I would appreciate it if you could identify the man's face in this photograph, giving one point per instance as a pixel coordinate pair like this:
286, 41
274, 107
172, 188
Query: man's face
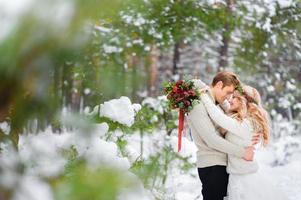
223, 93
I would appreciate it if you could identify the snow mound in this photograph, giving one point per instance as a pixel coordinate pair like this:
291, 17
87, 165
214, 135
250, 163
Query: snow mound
120, 110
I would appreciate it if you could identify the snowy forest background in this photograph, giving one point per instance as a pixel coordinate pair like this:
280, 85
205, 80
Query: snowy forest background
82, 112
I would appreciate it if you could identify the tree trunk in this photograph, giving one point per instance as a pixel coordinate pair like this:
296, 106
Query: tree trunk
66, 85
223, 61
154, 57
176, 58
133, 62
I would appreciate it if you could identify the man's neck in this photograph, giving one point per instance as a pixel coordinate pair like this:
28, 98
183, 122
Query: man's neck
212, 94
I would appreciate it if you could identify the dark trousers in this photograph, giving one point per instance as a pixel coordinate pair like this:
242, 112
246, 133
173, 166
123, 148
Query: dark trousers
215, 182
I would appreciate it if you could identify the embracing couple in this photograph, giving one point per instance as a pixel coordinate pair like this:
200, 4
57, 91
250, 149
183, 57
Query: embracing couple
227, 126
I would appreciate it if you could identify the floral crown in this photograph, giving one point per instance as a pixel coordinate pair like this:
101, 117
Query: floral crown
250, 99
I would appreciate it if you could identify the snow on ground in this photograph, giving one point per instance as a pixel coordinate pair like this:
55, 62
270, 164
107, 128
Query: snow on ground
286, 178
43, 158
188, 186
185, 185
179, 185
42, 155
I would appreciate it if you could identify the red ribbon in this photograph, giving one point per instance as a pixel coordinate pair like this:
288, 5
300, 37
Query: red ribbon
180, 129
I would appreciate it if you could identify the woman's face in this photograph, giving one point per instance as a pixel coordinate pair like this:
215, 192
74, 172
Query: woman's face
234, 103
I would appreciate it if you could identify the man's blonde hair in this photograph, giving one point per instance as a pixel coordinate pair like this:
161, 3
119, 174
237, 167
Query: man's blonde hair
228, 78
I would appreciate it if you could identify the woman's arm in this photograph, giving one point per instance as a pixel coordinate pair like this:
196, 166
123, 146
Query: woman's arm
220, 118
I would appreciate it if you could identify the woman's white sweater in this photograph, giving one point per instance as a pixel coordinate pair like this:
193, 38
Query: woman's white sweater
239, 133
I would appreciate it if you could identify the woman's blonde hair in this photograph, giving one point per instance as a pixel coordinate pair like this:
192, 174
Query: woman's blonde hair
241, 113
257, 112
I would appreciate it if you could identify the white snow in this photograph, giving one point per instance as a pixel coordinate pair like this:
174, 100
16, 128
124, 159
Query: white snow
102, 29
136, 107
267, 25
33, 188
9, 163
285, 3
41, 152
284, 102
111, 49
155, 103
297, 106
291, 86
120, 110
42, 155
100, 152
5, 127
87, 91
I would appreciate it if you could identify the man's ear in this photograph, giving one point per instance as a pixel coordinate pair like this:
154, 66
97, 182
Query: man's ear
220, 84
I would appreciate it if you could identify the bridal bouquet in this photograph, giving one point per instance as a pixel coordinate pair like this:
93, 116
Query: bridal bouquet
181, 95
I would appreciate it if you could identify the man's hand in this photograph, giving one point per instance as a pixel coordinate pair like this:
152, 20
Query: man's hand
256, 138
249, 153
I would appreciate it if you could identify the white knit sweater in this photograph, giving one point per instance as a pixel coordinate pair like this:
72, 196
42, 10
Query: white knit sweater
212, 147
239, 133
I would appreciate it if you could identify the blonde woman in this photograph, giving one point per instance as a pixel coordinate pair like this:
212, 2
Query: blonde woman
245, 117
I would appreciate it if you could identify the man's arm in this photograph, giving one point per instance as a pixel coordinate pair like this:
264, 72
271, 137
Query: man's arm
203, 125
